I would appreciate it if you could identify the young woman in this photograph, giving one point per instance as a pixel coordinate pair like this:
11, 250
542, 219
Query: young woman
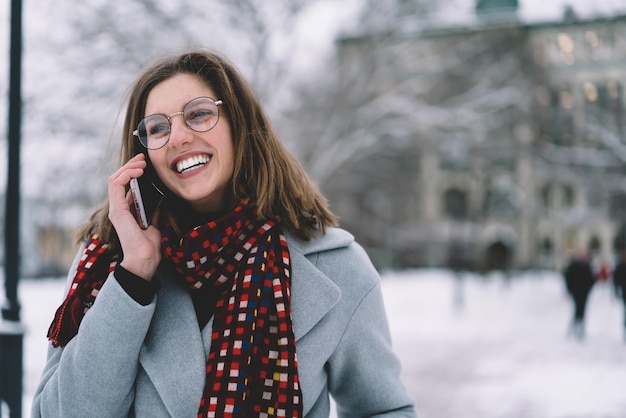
241, 298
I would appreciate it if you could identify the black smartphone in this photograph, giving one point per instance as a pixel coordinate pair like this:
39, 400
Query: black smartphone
147, 195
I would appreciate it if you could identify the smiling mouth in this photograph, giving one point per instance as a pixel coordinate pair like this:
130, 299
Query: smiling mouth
192, 163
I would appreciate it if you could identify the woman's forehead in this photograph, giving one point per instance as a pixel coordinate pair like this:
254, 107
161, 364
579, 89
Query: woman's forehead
171, 95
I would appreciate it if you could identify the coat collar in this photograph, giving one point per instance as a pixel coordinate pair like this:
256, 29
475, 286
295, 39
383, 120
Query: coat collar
333, 238
173, 354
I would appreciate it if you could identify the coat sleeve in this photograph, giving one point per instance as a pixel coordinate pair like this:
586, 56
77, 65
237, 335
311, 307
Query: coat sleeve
364, 372
94, 374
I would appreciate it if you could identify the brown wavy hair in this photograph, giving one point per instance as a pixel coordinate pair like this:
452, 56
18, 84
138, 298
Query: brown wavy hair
264, 171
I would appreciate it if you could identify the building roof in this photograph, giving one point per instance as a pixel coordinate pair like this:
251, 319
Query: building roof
498, 17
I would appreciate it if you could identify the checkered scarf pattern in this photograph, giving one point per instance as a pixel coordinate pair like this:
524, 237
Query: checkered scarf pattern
93, 268
251, 369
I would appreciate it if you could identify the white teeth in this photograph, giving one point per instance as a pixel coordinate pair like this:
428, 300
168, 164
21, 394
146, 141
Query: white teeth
191, 163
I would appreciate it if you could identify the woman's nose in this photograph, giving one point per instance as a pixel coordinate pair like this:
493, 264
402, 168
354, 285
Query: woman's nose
180, 133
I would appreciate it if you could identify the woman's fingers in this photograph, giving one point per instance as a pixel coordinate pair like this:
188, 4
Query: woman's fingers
145, 254
133, 168
119, 180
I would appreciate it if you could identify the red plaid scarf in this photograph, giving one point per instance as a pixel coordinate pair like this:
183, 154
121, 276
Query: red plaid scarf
251, 368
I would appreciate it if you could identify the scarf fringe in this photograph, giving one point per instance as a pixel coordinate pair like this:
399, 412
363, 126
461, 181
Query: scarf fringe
65, 321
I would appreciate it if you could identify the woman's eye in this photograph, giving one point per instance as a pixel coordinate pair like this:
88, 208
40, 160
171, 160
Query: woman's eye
159, 129
200, 115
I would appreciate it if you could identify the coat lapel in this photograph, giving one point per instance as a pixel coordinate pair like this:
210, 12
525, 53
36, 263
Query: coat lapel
173, 354
313, 294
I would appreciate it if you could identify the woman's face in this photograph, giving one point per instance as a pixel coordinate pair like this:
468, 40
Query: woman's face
196, 166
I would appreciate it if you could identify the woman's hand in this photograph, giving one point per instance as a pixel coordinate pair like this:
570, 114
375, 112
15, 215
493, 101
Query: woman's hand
141, 248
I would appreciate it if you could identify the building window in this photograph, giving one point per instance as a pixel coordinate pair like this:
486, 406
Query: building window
546, 197
594, 244
591, 92
566, 46
568, 197
455, 204
592, 39
562, 121
604, 106
592, 44
555, 115
546, 246
566, 100
454, 153
502, 200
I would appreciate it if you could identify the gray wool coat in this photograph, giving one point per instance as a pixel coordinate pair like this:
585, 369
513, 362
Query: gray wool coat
129, 360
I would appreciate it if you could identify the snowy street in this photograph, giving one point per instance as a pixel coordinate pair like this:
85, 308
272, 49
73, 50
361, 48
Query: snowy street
502, 351
484, 349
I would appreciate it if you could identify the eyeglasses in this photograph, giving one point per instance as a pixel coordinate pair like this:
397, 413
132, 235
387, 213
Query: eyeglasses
200, 114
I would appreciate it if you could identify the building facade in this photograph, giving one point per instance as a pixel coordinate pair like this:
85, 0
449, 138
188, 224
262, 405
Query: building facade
530, 165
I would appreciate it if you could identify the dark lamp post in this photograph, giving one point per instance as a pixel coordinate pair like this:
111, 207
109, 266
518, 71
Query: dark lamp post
11, 330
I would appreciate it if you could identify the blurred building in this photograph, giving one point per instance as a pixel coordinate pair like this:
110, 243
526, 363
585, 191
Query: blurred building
529, 164
48, 246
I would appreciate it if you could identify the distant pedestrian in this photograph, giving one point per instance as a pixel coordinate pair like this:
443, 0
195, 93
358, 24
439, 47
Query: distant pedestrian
579, 279
619, 281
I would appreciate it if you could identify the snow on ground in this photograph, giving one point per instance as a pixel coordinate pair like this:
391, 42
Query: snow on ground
482, 348
473, 348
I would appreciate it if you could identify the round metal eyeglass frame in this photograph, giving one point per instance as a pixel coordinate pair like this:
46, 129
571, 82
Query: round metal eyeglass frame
200, 115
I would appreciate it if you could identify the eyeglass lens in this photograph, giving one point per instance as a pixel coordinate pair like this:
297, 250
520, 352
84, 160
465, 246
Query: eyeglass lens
200, 115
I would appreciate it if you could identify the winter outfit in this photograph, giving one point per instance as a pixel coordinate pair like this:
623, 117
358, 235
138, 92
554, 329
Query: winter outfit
231, 305
579, 279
